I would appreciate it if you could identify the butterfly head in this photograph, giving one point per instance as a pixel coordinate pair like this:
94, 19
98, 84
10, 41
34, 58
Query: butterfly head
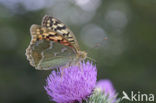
82, 54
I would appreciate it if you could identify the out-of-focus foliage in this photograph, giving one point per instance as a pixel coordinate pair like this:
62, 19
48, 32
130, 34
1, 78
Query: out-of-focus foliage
127, 57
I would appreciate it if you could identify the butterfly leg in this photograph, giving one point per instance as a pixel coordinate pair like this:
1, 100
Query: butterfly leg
78, 63
62, 69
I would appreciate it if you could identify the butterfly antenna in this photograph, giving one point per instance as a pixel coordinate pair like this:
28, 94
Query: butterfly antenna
98, 44
91, 59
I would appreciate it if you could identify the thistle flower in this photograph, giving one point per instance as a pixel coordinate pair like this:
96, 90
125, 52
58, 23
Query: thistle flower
106, 86
76, 83
103, 93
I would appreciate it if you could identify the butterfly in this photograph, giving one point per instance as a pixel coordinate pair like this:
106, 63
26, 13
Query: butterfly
53, 45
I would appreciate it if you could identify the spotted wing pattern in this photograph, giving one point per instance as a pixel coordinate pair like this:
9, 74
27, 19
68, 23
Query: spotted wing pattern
40, 33
57, 26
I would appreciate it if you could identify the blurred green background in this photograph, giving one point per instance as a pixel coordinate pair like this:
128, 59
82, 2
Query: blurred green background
127, 58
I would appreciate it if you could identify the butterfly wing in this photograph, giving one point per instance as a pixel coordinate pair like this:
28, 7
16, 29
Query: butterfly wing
45, 52
57, 26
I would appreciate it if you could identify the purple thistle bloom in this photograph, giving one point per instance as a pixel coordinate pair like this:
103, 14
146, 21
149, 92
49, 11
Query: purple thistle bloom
107, 87
76, 83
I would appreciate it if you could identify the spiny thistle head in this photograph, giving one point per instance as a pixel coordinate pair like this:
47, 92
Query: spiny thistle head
75, 85
103, 93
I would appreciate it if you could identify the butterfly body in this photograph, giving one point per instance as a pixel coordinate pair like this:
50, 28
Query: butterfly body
51, 48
